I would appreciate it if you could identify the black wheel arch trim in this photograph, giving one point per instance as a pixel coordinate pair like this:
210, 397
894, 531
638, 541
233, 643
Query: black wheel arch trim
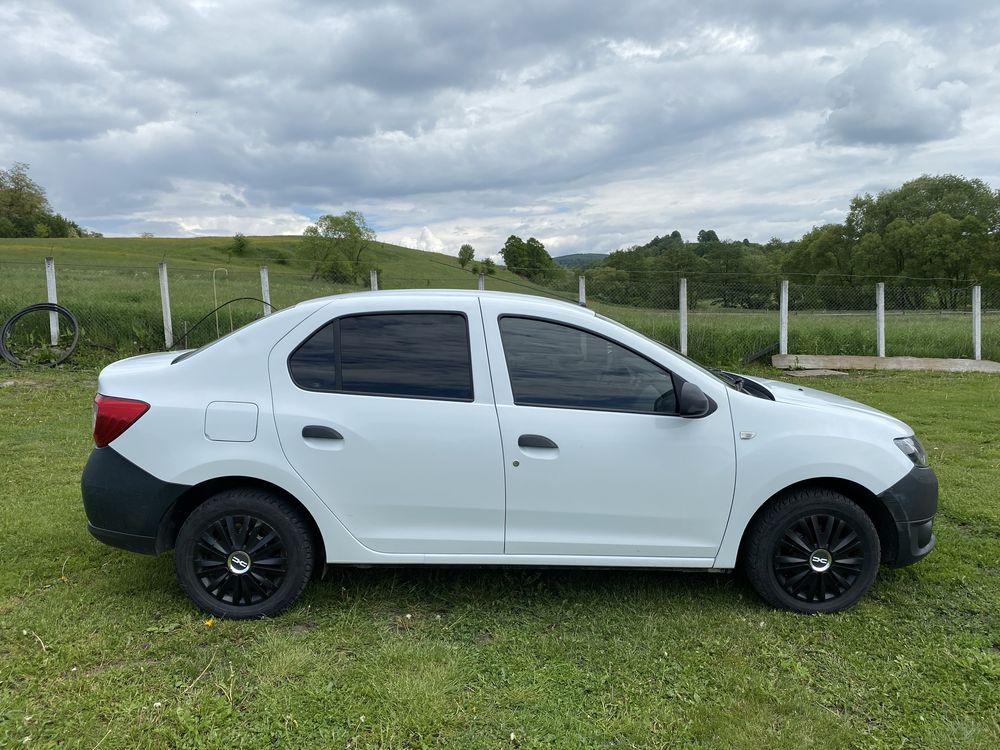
902, 514
129, 508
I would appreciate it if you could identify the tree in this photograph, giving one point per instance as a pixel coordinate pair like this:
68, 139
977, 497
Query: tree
23, 205
528, 259
465, 255
336, 244
706, 236
240, 244
489, 267
919, 199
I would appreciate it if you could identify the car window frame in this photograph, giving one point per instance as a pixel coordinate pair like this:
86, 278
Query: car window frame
675, 379
337, 353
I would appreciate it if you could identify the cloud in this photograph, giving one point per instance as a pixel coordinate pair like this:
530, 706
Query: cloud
590, 126
893, 97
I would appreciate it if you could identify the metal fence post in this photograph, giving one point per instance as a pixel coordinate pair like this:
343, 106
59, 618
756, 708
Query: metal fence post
582, 287
482, 282
682, 310
168, 326
783, 318
977, 322
50, 289
880, 318
374, 280
265, 290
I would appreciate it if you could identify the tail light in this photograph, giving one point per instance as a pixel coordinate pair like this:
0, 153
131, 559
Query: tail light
112, 416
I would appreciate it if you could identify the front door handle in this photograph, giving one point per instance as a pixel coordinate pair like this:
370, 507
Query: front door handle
535, 441
321, 433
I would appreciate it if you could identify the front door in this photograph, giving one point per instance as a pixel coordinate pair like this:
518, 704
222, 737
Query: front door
597, 463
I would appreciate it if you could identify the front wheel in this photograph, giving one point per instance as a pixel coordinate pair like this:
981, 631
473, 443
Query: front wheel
814, 550
243, 554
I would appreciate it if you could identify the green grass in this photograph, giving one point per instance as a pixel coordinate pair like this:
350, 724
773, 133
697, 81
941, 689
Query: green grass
99, 647
112, 287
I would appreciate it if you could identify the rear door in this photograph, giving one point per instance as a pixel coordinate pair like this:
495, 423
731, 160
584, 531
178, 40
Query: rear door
389, 416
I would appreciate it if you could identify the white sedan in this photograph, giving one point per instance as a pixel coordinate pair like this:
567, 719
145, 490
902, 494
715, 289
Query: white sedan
476, 428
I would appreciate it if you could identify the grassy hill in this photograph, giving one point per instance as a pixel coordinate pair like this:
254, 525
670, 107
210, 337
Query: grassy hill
112, 285
399, 266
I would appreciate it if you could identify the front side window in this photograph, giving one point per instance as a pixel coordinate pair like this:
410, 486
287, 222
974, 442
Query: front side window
551, 364
414, 355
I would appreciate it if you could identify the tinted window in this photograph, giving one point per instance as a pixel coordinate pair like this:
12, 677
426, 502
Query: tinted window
557, 365
312, 365
419, 355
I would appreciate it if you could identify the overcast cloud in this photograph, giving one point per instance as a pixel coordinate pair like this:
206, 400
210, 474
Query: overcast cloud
588, 125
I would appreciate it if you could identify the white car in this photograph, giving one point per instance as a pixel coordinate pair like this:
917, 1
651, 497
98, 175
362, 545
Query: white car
476, 428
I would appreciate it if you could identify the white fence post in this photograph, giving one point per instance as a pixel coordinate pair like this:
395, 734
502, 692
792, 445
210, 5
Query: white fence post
682, 310
582, 287
482, 282
374, 280
783, 318
977, 322
880, 318
168, 326
265, 290
50, 289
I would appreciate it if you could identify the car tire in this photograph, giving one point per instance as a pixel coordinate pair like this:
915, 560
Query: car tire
244, 553
813, 550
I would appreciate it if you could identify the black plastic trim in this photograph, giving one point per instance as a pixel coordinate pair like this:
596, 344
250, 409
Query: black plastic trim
912, 503
319, 432
125, 505
535, 441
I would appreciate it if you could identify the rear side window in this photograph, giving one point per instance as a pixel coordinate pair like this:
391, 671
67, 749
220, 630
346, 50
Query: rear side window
413, 355
551, 364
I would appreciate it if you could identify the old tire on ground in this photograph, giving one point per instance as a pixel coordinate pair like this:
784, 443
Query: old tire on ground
244, 553
813, 550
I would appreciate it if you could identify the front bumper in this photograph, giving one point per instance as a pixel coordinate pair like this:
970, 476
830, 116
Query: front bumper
912, 503
125, 505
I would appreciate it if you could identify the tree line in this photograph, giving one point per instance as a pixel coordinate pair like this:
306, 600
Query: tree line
934, 235
25, 209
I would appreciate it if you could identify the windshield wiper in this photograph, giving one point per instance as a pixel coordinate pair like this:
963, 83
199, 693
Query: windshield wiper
735, 380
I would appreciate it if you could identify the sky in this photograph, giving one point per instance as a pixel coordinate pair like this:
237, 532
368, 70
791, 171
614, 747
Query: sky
589, 125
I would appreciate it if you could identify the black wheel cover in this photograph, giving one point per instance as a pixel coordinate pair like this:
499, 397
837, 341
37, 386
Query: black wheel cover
240, 560
818, 558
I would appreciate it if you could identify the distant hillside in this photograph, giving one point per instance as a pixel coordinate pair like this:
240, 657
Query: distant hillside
579, 260
399, 267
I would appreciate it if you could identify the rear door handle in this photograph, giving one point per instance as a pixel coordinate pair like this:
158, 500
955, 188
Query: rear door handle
535, 441
321, 433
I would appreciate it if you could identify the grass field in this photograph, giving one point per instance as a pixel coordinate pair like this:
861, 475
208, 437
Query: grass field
100, 649
112, 287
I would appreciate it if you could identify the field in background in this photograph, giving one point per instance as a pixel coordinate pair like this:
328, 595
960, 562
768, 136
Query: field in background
112, 287
100, 648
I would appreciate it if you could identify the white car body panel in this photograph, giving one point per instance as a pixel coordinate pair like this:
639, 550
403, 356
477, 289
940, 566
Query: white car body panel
425, 481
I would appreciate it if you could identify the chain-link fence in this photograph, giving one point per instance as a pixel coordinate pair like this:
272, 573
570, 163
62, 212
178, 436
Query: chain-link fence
728, 320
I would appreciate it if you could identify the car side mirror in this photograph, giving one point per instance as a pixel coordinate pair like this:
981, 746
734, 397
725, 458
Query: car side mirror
693, 402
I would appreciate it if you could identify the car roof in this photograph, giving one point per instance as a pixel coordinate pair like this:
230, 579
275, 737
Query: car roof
438, 293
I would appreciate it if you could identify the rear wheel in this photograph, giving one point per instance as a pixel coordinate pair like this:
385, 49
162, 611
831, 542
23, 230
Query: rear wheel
244, 553
813, 551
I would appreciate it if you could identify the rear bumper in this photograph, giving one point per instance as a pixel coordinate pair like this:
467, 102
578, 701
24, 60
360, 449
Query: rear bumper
125, 505
912, 503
